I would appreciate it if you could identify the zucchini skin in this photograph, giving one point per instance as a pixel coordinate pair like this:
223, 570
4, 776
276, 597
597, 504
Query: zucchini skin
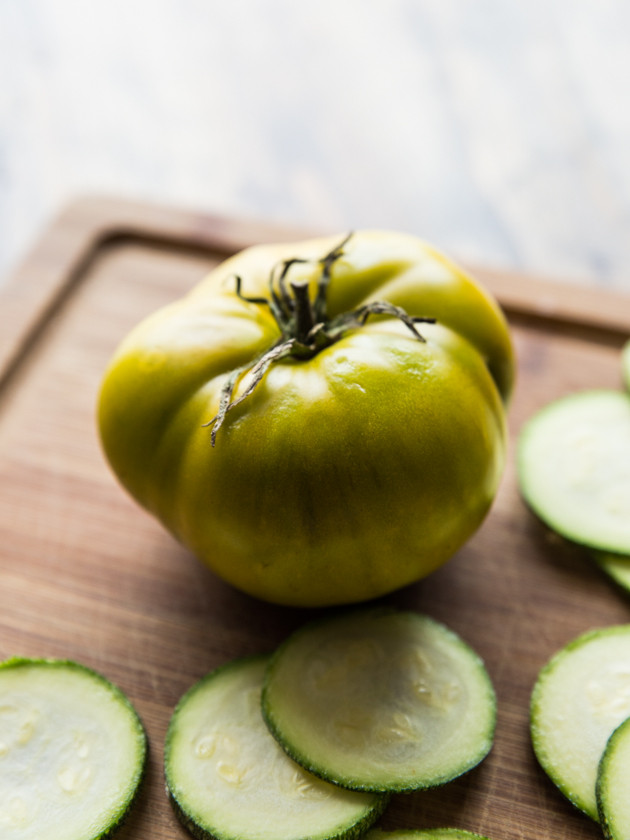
344, 616
357, 830
206, 832
602, 412
544, 758
607, 820
16, 662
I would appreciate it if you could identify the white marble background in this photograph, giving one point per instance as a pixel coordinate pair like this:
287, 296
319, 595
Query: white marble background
499, 129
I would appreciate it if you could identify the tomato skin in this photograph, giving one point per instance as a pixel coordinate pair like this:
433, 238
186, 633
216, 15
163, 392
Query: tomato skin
341, 477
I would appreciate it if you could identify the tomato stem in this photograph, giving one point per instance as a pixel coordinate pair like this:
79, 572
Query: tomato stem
304, 316
303, 324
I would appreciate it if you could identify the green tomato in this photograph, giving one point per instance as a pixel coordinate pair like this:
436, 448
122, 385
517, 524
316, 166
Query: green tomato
291, 424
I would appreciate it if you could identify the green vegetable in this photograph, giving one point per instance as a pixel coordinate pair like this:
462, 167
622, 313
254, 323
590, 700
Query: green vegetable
229, 780
299, 425
580, 697
613, 801
72, 752
380, 700
574, 468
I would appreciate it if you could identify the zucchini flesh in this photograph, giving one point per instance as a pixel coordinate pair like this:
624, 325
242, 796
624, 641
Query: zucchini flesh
380, 700
229, 779
72, 752
613, 801
574, 468
580, 697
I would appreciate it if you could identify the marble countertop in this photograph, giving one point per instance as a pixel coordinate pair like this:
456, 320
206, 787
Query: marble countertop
498, 130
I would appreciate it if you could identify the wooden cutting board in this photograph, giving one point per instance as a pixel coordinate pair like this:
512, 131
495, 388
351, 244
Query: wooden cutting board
86, 574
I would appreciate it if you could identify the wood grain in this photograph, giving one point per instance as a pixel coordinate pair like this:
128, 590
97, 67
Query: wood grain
86, 574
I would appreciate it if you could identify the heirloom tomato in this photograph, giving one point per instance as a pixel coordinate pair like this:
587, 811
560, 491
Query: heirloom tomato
320, 422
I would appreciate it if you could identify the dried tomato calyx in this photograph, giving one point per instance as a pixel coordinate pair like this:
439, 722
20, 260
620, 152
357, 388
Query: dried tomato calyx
305, 328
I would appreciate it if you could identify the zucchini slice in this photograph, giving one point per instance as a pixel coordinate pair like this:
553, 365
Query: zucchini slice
613, 801
72, 752
424, 834
581, 695
228, 779
380, 700
573, 463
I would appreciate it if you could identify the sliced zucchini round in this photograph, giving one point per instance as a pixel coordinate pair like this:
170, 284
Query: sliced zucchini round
424, 834
72, 752
380, 700
613, 801
573, 464
228, 779
580, 697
